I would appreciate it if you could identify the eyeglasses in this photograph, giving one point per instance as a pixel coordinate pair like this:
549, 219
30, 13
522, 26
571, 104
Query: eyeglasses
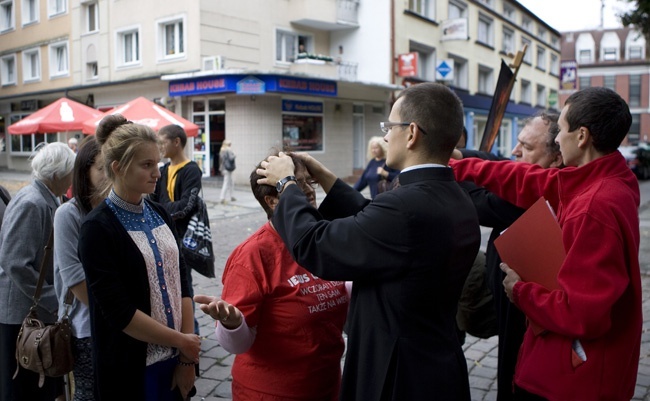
307, 184
387, 125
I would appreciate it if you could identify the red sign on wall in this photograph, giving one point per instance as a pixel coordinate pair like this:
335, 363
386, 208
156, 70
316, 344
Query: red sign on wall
407, 64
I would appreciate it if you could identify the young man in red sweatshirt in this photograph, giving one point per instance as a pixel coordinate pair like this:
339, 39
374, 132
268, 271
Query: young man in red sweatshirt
589, 349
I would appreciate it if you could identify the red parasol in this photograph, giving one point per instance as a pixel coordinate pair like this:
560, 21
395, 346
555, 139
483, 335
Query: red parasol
60, 116
145, 112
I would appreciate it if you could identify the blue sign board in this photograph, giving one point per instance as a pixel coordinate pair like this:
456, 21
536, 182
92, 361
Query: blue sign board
250, 84
302, 106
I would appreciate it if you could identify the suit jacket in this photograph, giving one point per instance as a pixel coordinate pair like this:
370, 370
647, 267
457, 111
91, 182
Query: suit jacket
25, 231
408, 253
118, 359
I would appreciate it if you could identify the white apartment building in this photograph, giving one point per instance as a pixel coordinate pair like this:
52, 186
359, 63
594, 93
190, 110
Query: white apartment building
313, 75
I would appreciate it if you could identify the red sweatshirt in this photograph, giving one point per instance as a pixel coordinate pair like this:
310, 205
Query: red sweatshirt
599, 300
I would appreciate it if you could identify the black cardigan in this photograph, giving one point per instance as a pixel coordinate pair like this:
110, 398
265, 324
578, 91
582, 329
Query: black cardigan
118, 359
186, 189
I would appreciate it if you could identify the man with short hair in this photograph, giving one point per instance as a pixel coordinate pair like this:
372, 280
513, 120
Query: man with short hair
408, 252
536, 145
591, 343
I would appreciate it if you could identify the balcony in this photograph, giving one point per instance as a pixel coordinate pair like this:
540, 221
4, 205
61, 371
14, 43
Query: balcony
325, 67
326, 15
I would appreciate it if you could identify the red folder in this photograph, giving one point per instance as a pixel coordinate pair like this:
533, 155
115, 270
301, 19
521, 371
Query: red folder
532, 246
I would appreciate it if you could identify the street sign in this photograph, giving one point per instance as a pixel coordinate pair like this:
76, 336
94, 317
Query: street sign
445, 70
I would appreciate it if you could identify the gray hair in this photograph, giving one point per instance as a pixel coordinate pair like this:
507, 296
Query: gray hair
52, 159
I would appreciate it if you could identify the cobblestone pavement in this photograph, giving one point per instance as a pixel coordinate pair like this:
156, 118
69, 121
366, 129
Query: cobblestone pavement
232, 222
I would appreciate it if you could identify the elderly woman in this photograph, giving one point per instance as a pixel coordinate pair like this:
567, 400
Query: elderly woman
377, 176
25, 231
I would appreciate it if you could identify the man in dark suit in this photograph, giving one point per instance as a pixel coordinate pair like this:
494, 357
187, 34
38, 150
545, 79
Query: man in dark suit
408, 252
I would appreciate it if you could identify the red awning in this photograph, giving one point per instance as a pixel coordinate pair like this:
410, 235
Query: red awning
60, 116
145, 112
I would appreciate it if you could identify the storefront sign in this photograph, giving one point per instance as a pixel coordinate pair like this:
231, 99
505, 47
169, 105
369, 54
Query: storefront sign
249, 84
407, 65
568, 75
302, 107
454, 29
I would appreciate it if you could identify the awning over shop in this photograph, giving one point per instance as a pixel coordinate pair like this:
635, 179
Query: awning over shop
61, 116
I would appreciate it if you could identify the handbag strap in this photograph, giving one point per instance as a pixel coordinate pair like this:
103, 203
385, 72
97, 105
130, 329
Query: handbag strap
47, 256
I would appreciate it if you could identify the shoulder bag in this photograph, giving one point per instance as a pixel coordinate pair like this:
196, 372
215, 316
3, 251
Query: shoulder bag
45, 349
197, 242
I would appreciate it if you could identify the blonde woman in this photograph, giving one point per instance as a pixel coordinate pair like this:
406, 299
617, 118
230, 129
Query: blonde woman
226, 167
376, 170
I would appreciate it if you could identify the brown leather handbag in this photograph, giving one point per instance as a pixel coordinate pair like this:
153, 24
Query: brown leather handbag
45, 349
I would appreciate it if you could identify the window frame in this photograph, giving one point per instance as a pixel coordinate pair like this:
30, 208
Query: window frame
526, 95
282, 37
52, 10
634, 94
488, 23
24, 5
540, 95
509, 12
425, 8
7, 23
485, 81
53, 52
426, 60
4, 79
634, 49
88, 17
28, 62
584, 80
581, 56
511, 33
610, 54
555, 64
120, 47
541, 58
461, 72
528, 56
458, 5
319, 119
28, 139
179, 22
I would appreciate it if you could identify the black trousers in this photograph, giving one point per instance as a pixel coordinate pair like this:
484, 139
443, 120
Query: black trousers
25, 386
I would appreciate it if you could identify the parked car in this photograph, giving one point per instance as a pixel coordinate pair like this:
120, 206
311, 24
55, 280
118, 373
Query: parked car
638, 159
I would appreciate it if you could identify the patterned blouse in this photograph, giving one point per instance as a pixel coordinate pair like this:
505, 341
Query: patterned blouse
160, 252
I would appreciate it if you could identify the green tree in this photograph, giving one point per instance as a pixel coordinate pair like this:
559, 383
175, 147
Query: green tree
639, 16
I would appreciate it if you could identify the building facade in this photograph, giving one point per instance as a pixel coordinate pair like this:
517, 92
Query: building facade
616, 59
311, 75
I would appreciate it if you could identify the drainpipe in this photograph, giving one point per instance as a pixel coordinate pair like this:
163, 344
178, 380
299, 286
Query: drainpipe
392, 41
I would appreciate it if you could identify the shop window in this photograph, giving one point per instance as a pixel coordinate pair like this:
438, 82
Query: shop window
302, 131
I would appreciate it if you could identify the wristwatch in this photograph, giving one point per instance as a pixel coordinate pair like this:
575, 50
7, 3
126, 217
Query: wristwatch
280, 185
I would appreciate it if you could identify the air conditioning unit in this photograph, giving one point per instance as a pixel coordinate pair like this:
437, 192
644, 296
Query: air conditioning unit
213, 63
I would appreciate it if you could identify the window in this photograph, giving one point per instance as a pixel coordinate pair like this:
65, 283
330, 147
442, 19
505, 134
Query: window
288, 44
302, 131
487, 2
457, 9
584, 56
508, 45
92, 72
526, 24
56, 7
584, 83
636, 52
541, 33
485, 31
29, 11
460, 72
172, 38
509, 12
541, 96
526, 95
635, 129
91, 12
27, 143
610, 82
541, 58
59, 59
555, 42
426, 61
425, 8
6, 15
128, 44
635, 91
8, 70
528, 58
31, 65
610, 54
485, 84
555, 64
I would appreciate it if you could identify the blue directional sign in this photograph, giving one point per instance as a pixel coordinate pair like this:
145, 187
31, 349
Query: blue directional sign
445, 70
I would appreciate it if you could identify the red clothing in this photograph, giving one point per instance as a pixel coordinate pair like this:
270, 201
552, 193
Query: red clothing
299, 320
599, 301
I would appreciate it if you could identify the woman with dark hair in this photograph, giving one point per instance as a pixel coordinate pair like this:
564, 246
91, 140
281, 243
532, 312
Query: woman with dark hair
284, 323
141, 312
88, 183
